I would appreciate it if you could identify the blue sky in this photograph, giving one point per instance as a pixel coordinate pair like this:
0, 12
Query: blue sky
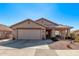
64, 13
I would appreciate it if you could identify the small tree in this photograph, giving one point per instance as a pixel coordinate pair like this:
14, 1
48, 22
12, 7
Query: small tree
73, 36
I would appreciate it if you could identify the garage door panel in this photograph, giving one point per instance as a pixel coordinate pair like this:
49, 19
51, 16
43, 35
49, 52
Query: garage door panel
29, 34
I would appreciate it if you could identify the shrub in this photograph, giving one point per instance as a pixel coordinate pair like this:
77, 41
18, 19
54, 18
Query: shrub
77, 38
54, 39
68, 37
58, 37
13, 38
73, 36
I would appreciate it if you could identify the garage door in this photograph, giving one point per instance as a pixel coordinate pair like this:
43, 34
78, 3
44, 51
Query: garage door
29, 34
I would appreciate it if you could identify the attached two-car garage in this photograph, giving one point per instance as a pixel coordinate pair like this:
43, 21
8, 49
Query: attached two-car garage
28, 29
29, 34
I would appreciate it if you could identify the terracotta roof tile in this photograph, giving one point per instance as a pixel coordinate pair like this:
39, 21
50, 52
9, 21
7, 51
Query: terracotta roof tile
5, 28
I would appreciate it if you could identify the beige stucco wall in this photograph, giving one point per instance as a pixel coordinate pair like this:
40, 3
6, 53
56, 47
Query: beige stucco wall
28, 24
53, 33
5, 35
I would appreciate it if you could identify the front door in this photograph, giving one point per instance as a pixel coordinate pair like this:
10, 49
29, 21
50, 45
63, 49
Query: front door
48, 33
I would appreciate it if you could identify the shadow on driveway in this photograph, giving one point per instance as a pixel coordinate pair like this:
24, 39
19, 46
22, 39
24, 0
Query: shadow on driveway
24, 43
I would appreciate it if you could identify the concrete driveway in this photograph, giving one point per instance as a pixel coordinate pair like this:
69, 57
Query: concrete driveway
23, 44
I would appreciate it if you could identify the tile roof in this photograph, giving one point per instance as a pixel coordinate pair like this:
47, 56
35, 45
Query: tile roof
5, 28
53, 24
25, 21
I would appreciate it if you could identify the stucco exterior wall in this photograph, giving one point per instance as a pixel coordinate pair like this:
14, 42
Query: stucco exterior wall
28, 24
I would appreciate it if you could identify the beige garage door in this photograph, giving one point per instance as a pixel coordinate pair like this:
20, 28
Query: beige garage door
29, 34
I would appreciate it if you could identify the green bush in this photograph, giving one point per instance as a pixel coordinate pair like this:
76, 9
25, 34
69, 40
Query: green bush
73, 36
54, 39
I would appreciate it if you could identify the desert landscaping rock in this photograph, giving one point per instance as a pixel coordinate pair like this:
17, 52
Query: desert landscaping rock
60, 45
74, 46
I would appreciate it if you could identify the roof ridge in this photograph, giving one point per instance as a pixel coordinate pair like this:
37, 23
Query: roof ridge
20, 22
26, 20
46, 20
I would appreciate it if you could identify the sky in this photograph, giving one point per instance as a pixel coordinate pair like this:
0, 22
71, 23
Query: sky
61, 13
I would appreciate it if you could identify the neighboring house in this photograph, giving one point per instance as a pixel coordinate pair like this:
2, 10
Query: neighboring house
5, 31
76, 32
39, 29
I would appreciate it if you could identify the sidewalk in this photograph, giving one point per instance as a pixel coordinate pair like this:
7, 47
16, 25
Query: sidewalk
67, 52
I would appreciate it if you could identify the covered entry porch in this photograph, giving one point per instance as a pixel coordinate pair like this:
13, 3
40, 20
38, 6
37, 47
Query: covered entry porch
62, 31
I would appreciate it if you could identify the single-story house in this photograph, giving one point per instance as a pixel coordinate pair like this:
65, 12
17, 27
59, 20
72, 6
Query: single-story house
39, 29
5, 31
